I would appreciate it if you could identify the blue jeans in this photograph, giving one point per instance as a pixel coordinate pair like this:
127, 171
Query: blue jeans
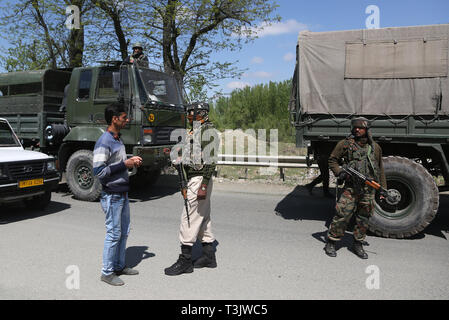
116, 208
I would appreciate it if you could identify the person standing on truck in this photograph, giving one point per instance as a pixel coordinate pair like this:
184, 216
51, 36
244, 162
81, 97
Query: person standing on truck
360, 152
138, 56
196, 223
111, 165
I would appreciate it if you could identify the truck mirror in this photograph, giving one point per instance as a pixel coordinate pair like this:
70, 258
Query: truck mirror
116, 81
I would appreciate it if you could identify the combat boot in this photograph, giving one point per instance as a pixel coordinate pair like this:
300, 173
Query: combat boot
208, 259
184, 263
357, 248
330, 248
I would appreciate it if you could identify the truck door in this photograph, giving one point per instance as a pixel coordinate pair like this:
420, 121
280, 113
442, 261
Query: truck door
82, 111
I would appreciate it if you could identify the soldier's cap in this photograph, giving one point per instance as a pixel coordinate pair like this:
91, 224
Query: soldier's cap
137, 45
198, 106
360, 122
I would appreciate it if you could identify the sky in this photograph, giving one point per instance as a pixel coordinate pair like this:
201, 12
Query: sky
271, 57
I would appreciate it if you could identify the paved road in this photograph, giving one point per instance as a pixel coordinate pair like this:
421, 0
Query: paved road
270, 246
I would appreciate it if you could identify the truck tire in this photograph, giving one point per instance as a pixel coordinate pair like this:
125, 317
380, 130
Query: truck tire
39, 202
144, 179
418, 205
80, 177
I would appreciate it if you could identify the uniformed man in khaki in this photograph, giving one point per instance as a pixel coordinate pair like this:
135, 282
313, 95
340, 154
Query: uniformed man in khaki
196, 223
360, 152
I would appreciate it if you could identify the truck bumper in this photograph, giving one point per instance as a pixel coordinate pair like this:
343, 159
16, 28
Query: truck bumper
10, 192
156, 156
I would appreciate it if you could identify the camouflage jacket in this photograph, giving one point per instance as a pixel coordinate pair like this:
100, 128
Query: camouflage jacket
361, 158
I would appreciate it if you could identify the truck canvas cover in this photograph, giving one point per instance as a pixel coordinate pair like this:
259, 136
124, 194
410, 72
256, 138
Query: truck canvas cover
392, 71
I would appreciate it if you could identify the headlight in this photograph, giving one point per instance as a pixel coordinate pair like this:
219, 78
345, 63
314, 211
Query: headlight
148, 136
51, 166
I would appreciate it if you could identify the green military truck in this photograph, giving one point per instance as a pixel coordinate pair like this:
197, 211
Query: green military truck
61, 113
398, 79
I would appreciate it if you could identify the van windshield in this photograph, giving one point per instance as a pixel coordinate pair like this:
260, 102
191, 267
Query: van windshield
7, 137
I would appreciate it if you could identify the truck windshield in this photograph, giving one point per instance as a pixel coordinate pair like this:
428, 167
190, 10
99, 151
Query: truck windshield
160, 87
7, 137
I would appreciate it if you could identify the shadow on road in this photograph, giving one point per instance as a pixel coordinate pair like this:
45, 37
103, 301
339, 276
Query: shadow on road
299, 205
441, 221
135, 255
17, 212
165, 186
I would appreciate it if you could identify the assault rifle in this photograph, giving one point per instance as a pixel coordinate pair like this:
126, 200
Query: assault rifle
392, 196
183, 185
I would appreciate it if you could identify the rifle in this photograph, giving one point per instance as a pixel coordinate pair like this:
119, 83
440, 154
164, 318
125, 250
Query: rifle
392, 196
183, 185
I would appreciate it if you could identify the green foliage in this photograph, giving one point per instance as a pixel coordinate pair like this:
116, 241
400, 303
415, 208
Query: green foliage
263, 106
23, 56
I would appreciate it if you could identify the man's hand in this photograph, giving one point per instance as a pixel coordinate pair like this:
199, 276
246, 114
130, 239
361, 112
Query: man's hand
133, 162
202, 192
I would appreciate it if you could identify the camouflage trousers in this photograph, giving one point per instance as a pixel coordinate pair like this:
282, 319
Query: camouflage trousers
351, 203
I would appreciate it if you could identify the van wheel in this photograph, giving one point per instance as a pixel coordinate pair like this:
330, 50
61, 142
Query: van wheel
418, 205
80, 176
39, 202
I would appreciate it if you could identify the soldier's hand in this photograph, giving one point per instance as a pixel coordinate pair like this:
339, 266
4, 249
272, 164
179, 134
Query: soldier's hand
343, 176
184, 192
202, 192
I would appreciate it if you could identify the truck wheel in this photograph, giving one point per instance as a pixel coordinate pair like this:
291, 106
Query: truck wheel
418, 205
39, 202
80, 177
144, 179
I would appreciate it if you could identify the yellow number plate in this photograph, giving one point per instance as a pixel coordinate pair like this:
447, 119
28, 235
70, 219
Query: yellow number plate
31, 183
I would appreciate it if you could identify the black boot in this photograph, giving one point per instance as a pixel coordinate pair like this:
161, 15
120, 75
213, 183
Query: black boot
357, 248
184, 263
330, 248
207, 259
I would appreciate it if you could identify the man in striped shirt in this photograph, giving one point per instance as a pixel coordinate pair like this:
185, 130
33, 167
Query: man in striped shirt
111, 165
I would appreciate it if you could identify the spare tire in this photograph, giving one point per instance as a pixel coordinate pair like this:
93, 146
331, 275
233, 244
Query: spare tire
418, 205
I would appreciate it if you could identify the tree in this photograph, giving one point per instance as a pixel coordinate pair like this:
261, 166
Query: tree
44, 22
258, 107
188, 31
24, 56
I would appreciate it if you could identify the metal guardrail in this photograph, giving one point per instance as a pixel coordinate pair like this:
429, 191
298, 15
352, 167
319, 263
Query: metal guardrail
263, 161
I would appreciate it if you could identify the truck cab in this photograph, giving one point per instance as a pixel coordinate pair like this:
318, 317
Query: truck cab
68, 113
24, 175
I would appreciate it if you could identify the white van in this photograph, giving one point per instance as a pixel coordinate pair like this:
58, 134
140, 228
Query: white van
24, 175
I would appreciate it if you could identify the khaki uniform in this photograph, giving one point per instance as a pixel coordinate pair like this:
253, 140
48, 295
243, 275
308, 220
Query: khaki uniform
199, 214
199, 210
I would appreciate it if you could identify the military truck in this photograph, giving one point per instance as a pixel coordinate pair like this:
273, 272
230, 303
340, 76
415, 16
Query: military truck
398, 79
61, 113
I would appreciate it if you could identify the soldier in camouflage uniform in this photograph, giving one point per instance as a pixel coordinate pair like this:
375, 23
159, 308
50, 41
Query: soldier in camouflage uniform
360, 152
138, 56
198, 169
